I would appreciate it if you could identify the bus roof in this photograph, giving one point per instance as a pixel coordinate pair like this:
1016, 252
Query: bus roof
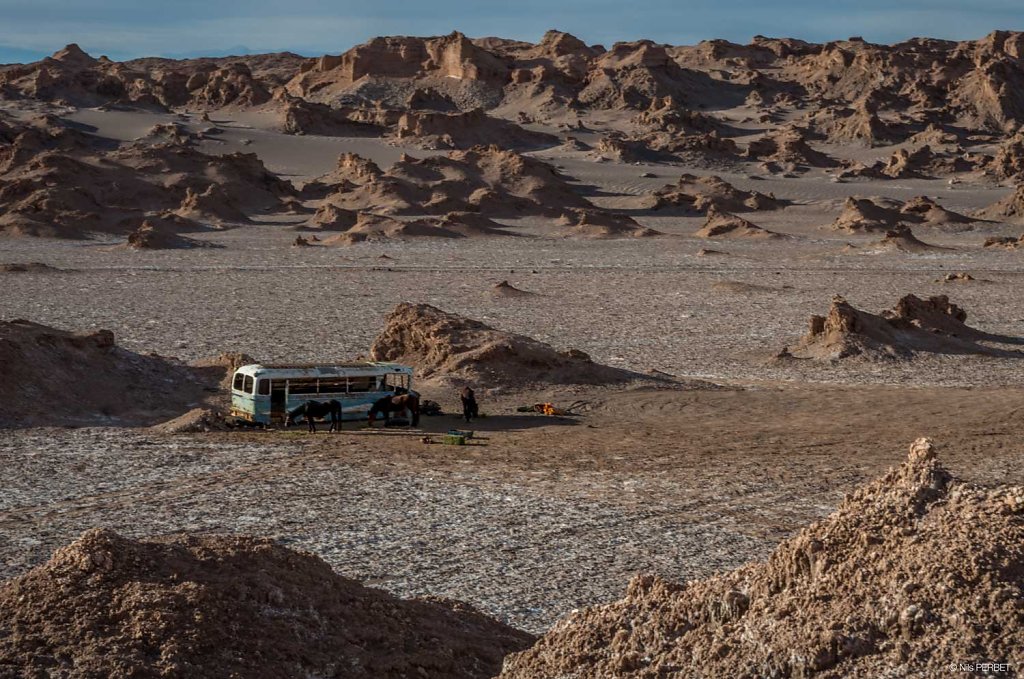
318, 369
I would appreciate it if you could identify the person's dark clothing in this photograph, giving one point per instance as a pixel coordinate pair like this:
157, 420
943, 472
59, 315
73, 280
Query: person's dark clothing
469, 407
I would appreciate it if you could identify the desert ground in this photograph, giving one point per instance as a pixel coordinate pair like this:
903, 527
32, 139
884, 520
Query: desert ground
720, 449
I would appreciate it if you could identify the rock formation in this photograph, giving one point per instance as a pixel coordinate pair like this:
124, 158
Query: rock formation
231, 606
594, 223
721, 224
1010, 209
914, 325
866, 215
445, 346
698, 194
859, 594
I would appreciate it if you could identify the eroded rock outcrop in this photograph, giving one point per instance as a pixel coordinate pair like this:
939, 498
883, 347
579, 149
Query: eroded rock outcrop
446, 346
859, 594
914, 325
698, 194
232, 606
721, 224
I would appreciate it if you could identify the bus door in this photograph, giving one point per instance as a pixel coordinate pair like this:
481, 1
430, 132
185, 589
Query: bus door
278, 398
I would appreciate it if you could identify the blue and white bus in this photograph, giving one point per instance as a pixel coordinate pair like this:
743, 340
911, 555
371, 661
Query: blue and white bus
263, 394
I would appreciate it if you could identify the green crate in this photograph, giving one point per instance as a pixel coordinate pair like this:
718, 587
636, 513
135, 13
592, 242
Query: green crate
453, 440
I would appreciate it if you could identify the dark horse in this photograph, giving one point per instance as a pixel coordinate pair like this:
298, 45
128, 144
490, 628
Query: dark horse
396, 404
312, 410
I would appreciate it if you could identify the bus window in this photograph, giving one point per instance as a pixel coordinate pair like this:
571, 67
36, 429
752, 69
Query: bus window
239, 377
332, 385
360, 384
263, 387
247, 386
302, 386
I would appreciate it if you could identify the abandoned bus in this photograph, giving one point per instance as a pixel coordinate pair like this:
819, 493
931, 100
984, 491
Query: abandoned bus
263, 394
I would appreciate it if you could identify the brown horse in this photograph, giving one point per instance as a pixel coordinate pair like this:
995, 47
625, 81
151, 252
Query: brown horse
396, 404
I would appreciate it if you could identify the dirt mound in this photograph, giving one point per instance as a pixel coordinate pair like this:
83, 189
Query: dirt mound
492, 181
858, 594
866, 214
958, 277
1008, 242
463, 130
54, 377
372, 227
925, 163
787, 150
330, 217
506, 289
79, 190
354, 168
725, 225
472, 224
857, 124
208, 605
903, 239
450, 347
211, 206
154, 234
925, 210
298, 117
697, 194
375, 227
1009, 209
914, 325
195, 420
595, 223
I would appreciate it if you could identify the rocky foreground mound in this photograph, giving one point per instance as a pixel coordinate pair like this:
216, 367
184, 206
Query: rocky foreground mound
205, 606
912, 572
55, 377
933, 325
459, 349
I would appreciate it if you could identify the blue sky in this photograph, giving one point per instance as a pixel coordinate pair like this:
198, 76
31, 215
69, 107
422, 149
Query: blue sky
30, 29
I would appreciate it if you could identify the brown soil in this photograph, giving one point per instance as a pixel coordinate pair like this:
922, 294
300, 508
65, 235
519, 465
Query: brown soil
182, 606
859, 594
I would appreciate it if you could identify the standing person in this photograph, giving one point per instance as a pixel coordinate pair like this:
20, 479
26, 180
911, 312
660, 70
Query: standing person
469, 407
